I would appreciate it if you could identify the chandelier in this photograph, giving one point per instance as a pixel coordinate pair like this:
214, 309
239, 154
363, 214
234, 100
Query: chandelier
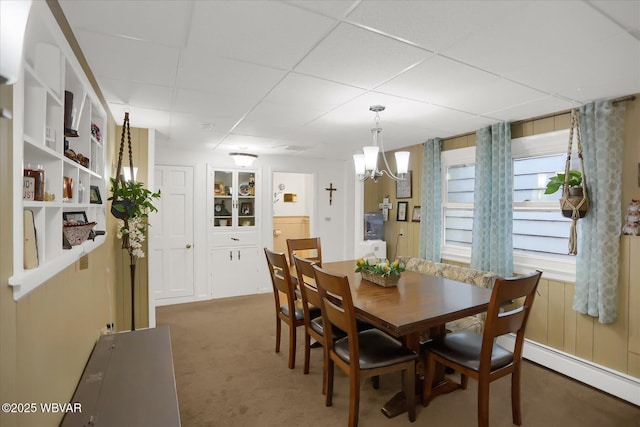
366, 164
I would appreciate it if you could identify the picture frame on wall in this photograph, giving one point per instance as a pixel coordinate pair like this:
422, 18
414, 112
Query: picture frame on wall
403, 188
415, 215
402, 211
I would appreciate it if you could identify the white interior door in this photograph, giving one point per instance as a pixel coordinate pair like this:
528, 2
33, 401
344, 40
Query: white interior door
171, 275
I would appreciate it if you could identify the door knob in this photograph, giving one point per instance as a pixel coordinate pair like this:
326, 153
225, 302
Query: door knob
188, 246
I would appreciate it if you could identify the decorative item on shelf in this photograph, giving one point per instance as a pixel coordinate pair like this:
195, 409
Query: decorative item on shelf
131, 204
574, 202
366, 163
94, 195
77, 157
34, 177
632, 219
28, 187
69, 115
252, 185
220, 209
67, 189
381, 272
30, 245
95, 132
244, 189
75, 228
50, 137
80, 192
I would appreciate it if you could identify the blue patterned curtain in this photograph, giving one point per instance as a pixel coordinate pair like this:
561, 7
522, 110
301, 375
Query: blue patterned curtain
492, 236
431, 201
602, 129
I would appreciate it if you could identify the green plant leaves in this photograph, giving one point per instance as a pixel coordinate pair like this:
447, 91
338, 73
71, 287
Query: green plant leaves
555, 182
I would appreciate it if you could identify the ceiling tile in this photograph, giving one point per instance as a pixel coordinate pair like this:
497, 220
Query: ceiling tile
304, 91
226, 76
165, 23
532, 32
588, 72
213, 105
358, 57
333, 8
624, 13
262, 32
135, 93
433, 25
454, 85
125, 59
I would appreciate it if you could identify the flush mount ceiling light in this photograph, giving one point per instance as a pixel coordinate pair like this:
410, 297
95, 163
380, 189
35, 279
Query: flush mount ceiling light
366, 164
243, 159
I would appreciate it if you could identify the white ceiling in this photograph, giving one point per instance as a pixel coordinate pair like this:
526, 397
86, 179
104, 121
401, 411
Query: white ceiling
298, 77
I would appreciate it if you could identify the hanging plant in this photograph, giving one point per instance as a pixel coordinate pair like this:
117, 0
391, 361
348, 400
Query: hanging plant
134, 203
574, 202
131, 204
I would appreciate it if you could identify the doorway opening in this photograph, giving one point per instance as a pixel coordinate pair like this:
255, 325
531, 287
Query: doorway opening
293, 207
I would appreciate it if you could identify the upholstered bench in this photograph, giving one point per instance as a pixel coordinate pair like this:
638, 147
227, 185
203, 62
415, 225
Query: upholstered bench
483, 279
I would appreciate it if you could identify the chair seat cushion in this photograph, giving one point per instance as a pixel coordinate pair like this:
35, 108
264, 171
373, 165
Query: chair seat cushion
313, 312
316, 325
464, 348
377, 350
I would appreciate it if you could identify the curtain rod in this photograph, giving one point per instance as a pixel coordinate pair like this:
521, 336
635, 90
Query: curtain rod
560, 113
546, 116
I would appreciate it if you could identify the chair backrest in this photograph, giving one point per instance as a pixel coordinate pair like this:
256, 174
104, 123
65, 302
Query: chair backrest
337, 309
280, 278
505, 291
310, 246
307, 283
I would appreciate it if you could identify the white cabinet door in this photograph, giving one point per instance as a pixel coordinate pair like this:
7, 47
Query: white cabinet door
233, 271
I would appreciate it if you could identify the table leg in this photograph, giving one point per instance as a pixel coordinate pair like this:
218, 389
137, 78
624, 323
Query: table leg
397, 404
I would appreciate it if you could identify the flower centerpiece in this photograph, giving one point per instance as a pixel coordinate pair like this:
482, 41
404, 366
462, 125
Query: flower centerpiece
379, 271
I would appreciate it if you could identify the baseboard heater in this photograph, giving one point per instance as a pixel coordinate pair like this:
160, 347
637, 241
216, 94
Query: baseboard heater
615, 383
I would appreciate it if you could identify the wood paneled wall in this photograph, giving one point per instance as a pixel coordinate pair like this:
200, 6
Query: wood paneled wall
288, 227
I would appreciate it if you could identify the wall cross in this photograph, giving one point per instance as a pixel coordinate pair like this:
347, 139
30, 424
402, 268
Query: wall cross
385, 206
331, 190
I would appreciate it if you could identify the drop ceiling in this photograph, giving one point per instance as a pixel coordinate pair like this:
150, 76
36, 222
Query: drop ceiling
298, 77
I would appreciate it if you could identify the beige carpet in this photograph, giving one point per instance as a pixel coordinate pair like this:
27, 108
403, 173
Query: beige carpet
228, 374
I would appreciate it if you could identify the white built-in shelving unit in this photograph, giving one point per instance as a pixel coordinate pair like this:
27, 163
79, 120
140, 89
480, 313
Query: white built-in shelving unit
50, 69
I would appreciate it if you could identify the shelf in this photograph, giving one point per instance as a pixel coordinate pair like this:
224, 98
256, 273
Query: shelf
28, 280
50, 69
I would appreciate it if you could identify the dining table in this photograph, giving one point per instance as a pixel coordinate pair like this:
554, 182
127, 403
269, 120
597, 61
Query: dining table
419, 303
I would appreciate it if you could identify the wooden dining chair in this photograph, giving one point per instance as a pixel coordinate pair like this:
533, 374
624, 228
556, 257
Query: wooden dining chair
360, 354
289, 312
478, 356
313, 327
308, 248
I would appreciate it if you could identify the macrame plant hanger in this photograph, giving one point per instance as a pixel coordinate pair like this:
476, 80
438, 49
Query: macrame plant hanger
119, 175
123, 212
574, 206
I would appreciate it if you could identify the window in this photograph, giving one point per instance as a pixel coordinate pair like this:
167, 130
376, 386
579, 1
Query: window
540, 232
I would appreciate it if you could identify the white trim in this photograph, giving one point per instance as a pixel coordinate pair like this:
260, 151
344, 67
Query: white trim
615, 383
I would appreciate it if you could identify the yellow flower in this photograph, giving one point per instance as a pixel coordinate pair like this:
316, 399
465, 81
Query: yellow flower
395, 264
